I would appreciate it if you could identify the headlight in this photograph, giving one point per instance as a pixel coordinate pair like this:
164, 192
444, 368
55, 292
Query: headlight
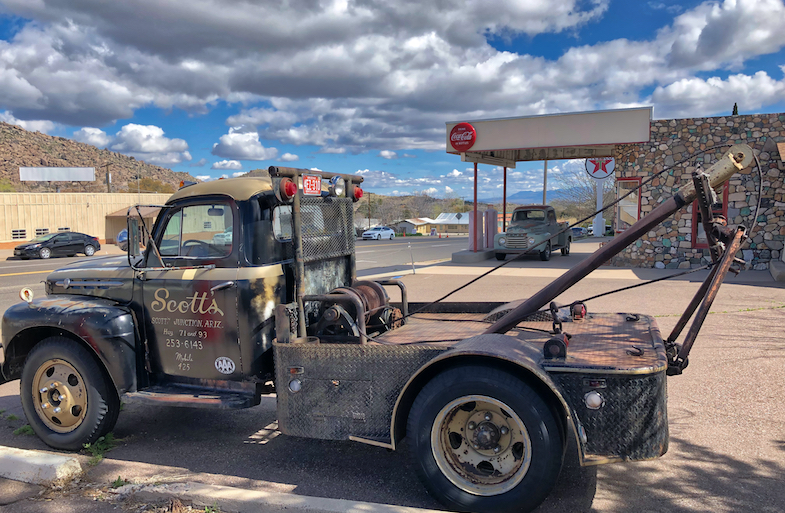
531, 241
337, 186
34, 246
502, 241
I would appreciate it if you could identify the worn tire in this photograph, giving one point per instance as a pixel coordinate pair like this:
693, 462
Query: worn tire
501, 256
565, 251
44, 253
89, 250
445, 462
101, 402
545, 254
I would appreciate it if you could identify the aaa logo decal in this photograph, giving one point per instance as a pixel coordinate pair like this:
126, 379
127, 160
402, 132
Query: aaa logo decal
224, 365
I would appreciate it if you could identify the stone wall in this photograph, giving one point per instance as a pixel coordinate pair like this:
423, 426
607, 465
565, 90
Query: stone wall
682, 144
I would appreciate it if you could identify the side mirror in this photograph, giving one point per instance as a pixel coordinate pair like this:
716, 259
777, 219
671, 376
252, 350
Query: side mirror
133, 236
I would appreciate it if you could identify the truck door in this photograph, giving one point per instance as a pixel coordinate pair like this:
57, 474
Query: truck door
191, 314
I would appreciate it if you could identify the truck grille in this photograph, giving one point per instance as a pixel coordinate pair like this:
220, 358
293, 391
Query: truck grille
517, 241
328, 228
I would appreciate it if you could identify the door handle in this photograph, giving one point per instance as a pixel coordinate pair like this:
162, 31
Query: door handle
221, 286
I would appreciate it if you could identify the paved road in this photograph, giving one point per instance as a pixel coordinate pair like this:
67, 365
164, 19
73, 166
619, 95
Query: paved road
726, 413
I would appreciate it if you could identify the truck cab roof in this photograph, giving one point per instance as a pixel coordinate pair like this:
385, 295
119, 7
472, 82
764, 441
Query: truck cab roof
239, 189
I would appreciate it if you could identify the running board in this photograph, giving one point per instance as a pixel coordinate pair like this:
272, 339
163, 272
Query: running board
173, 395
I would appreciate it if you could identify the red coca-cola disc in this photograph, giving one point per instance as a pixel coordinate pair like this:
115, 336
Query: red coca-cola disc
462, 136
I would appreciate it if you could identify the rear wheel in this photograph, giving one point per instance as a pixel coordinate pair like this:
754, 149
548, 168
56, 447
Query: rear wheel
545, 254
67, 398
45, 253
89, 250
566, 249
485, 441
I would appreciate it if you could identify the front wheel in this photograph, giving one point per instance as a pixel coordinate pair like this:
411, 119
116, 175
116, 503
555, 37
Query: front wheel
485, 441
501, 256
67, 398
545, 254
45, 253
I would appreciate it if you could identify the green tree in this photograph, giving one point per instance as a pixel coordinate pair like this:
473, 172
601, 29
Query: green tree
735, 109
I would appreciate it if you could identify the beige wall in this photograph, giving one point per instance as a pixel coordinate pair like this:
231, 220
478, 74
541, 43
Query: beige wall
80, 212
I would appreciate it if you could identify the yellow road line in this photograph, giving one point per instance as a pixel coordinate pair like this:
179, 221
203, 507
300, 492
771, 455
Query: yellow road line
31, 272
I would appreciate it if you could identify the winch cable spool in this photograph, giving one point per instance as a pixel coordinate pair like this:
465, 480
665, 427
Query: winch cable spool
753, 223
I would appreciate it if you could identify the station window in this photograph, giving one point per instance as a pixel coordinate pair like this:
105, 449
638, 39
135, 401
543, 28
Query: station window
719, 208
19, 234
628, 210
64, 229
208, 225
41, 231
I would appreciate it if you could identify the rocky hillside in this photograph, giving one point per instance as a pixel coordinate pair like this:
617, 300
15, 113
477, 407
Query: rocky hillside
20, 148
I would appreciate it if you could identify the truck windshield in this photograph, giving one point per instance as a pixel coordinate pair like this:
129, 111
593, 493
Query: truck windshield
528, 215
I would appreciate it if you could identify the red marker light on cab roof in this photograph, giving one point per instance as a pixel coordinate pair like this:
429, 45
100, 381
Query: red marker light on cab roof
358, 193
288, 189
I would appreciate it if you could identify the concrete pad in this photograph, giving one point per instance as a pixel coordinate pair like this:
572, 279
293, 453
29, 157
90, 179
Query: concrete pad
37, 467
228, 498
777, 270
469, 257
14, 491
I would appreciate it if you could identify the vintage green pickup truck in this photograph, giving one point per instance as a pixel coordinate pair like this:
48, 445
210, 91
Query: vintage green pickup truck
529, 227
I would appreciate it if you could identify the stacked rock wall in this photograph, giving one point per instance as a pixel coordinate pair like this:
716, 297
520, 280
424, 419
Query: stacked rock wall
682, 144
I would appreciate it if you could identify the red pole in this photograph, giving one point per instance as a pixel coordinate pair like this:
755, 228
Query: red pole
474, 243
504, 202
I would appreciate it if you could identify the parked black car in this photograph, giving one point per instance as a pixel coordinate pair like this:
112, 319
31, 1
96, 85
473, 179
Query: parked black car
58, 244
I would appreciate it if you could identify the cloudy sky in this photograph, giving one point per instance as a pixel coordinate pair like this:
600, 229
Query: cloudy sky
220, 87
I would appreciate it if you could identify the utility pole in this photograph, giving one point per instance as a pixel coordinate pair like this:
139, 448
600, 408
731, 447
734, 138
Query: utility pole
108, 180
369, 210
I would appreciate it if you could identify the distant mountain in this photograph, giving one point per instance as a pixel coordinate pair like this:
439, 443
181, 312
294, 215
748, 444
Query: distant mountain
20, 148
521, 198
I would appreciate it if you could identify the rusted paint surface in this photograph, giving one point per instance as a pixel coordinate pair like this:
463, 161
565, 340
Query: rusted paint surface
104, 326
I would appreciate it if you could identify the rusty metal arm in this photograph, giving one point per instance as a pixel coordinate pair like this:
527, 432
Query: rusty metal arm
680, 362
737, 158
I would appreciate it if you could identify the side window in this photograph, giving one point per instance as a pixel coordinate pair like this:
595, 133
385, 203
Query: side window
199, 231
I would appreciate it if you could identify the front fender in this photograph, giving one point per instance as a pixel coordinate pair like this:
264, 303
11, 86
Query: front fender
494, 349
101, 325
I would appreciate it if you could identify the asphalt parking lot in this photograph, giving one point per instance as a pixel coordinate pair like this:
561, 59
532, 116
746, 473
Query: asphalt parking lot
726, 414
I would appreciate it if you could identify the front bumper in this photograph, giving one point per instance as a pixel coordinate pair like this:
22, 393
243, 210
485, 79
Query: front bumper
26, 252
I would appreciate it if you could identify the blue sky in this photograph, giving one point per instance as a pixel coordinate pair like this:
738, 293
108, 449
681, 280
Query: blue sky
221, 87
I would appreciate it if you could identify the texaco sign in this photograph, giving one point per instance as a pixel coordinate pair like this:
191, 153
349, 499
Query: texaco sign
600, 167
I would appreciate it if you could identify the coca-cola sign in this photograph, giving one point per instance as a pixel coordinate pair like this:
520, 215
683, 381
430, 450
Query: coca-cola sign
462, 136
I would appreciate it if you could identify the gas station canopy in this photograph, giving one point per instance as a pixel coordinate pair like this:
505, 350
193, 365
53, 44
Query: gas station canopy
503, 142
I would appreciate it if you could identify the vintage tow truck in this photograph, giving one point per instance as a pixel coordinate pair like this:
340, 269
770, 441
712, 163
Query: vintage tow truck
487, 394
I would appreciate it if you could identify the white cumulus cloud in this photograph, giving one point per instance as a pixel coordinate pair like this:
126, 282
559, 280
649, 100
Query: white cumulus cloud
240, 145
227, 165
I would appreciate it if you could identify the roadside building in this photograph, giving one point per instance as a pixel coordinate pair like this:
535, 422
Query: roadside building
681, 145
444, 224
27, 215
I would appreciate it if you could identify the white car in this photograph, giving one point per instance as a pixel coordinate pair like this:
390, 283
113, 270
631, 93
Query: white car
378, 233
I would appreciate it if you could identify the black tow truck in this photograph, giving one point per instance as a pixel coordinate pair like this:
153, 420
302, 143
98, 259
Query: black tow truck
248, 287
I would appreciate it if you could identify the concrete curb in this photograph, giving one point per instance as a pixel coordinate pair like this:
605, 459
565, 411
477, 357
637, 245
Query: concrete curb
232, 499
37, 467
777, 270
